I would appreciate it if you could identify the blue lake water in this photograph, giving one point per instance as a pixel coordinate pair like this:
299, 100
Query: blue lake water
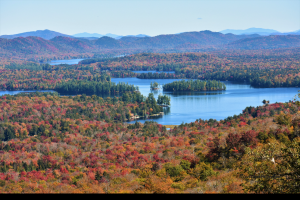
69, 62
188, 106
72, 61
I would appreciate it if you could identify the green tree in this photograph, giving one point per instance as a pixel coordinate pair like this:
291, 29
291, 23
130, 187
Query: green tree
272, 168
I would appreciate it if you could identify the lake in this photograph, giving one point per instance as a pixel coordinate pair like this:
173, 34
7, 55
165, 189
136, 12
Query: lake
73, 61
188, 106
69, 62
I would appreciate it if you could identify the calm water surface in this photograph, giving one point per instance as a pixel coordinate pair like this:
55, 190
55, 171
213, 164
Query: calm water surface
72, 61
188, 106
69, 62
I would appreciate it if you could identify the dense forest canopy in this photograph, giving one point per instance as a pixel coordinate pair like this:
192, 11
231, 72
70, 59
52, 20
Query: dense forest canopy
259, 68
194, 85
78, 144
37, 49
66, 79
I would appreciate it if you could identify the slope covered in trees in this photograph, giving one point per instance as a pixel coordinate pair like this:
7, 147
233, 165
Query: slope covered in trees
70, 144
38, 49
260, 68
267, 42
65, 79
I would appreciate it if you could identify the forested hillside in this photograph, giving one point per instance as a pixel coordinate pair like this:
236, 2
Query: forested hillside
267, 42
65, 79
38, 49
71, 145
80, 143
259, 68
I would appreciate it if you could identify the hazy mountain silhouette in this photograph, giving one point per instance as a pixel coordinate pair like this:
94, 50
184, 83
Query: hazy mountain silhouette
287, 33
266, 42
85, 34
45, 34
183, 42
260, 31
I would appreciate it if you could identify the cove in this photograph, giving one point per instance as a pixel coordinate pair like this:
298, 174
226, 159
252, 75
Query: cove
188, 106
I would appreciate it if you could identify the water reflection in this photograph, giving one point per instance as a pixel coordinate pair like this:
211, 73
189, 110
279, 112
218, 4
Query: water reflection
175, 94
167, 110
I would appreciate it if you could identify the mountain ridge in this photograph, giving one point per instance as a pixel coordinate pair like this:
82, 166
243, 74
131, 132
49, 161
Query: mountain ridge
32, 46
45, 34
260, 31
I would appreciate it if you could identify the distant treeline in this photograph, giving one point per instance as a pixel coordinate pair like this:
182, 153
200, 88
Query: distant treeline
94, 60
194, 85
29, 66
267, 68
75, 87
161, 75
287, 77
46, 66
122, 74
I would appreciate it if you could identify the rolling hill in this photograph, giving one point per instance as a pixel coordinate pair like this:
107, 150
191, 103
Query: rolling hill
45, 34
31, 47
266, 42
260, 31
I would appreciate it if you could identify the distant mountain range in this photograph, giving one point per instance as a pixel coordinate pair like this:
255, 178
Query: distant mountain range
266, 42
45, 34
93, 35
48, 35
32, 46
260, 31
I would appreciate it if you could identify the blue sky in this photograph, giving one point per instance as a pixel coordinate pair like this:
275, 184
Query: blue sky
151, 17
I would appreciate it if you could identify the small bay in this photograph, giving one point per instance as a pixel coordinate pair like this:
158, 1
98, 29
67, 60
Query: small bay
188, 106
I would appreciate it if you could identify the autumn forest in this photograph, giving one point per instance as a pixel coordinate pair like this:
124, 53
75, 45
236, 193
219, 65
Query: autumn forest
76, 139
